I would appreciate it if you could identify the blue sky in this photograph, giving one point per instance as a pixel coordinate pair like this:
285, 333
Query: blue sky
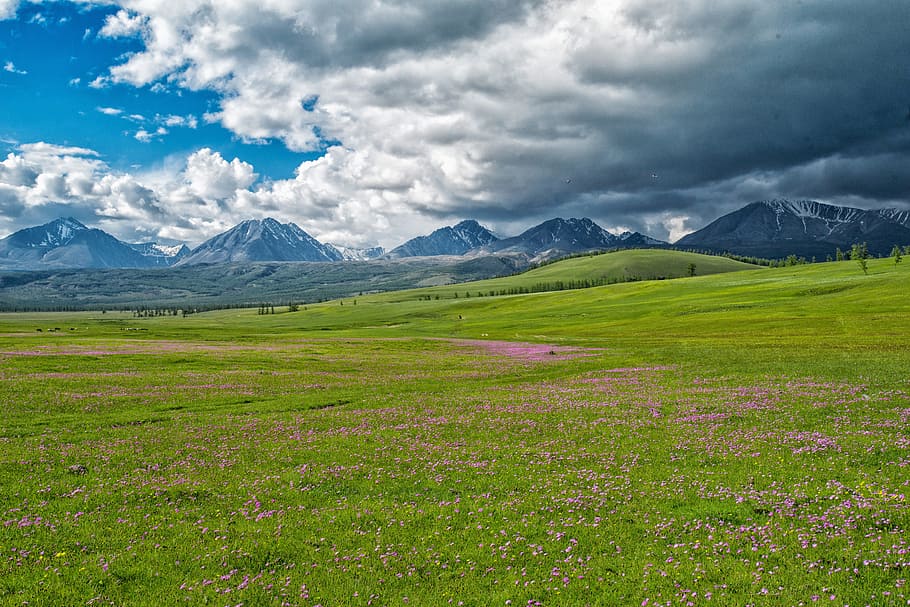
372, 121
55, 54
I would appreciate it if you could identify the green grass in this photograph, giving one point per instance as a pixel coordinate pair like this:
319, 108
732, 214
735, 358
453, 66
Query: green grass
741, 436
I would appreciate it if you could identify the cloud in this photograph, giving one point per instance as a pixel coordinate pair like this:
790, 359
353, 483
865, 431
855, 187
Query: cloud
39, 177
49, 186
41, 181
123, 24
15, 171
646, 113
8, 9
211, 177
189, 121
145, 136
101, 82
11, 68
155, 128
67, 158
202, 194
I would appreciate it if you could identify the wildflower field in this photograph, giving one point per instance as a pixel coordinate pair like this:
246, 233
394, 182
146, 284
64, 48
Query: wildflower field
738, 439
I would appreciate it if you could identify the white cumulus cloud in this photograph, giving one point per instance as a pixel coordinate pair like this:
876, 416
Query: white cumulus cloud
41, 181
203, 194
172, 120
8, 9
211, 177
122, 24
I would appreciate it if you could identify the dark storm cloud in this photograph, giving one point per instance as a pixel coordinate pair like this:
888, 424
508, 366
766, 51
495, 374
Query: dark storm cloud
799, 92
882, 177
331, 34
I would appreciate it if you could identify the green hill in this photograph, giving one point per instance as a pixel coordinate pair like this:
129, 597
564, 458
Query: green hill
766, 318
589, 270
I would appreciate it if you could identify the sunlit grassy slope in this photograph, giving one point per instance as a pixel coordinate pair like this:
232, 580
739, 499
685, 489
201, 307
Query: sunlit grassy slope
598, 269
830, 316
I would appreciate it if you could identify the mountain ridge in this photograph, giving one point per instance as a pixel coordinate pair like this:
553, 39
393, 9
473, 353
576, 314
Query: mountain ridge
558, 237
261, 240
449, 240
779, 227
772, 228
66, 243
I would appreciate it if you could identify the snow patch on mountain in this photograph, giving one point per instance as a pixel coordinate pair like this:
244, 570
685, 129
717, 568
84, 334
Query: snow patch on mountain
161, 254
58, 233
169, 251
358, 254
811, 209
897, 216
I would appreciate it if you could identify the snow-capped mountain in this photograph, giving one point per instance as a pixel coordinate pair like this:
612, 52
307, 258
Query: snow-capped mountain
450, 240
159, 254
558, 237
57, 233
769, 228
262, 240
354, 254
777, 228
67, 243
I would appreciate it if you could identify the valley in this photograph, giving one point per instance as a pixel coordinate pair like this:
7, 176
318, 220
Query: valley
194, 287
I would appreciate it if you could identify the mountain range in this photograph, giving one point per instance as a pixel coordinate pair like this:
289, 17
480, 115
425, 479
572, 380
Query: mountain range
67, 243
770, 229
559, 237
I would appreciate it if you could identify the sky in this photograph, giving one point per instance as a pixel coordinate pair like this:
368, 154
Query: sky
369, 122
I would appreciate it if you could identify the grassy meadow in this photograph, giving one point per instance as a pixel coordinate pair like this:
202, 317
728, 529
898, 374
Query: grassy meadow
741, 438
